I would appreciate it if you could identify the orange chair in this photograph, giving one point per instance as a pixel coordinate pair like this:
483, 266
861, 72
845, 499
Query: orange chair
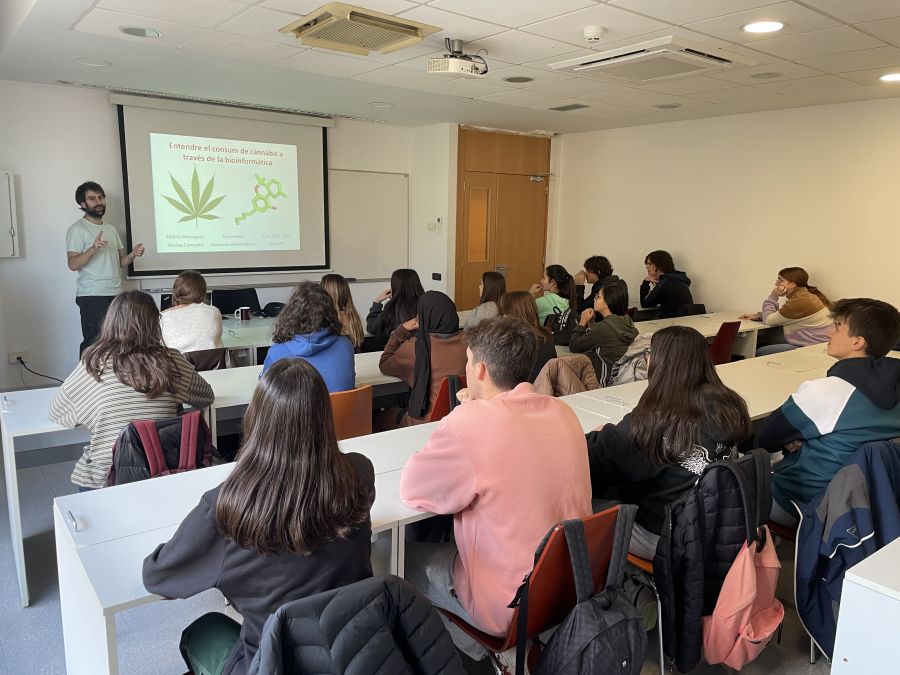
443, 403
352, 412
551, 586
723, 343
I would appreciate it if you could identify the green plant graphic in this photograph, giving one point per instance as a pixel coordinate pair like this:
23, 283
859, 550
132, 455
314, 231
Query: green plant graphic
262, 202
197, 205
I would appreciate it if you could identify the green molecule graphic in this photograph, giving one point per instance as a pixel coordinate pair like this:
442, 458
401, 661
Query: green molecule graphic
262, 201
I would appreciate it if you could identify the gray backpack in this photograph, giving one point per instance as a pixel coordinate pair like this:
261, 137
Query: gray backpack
604, 633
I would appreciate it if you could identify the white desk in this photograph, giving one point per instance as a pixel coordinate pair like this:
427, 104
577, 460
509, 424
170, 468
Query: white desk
247, 335
708, 325
868, 622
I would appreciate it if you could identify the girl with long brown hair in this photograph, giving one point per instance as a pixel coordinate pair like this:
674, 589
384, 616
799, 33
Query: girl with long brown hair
290, 521
805, 315
402, 299
351, 326
521, 305
685, 419
558, 288
127, 374
490, 290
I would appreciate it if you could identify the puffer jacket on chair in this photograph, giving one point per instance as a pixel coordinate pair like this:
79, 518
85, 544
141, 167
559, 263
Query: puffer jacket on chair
566, 375
378, 626
703, 532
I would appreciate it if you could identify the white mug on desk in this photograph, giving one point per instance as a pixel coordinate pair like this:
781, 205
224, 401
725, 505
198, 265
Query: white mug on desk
242, 313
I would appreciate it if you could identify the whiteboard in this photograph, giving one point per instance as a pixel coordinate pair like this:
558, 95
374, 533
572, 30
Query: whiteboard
368, 223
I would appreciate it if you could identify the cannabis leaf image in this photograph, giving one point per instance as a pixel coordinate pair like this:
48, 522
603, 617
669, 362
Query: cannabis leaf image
197, 205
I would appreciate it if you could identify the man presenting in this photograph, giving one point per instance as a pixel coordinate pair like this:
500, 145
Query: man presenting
95, 251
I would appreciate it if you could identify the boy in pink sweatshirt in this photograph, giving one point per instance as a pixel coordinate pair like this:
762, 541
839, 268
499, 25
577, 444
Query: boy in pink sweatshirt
508, 464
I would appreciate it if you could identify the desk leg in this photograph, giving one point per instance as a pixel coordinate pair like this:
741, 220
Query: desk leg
401, 551
15, 515
745, 344
89, 636
211, 420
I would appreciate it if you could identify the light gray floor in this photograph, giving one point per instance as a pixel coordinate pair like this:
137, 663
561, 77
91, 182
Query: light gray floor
31, 639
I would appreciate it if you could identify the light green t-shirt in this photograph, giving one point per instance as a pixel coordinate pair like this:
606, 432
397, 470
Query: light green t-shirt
103, 274
547, 302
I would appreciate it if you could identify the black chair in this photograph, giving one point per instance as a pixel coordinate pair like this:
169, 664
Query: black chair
692, 310
645, 314
208, 359
229, 299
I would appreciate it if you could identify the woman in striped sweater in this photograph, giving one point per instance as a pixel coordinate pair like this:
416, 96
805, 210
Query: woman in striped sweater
127, 374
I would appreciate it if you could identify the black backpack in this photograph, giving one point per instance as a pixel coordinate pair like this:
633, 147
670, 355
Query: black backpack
604, 633
562, 322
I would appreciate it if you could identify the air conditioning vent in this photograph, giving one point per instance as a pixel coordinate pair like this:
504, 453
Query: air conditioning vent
347, 28
660, 59
569, 107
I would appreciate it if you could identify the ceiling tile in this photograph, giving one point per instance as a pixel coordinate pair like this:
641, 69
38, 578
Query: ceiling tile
687, 12
644, 97
855, 11
517, 47
327, 63
798, 19
863, 59
401, 55
464, 88
619, 25
393, 76
109, 23
810, 85
818, 43
689, 85
304, 7
539, 76
203, 13
886, 29
525, 98
740, 95
512, 14
454, 26
240, 47
263, 24
785, 69
599, 109
870, 77
578, 87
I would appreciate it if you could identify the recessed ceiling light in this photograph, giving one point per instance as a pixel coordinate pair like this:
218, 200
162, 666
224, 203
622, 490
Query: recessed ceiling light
141, 32
763, 27
768, 75
518, 79
381, 104
93, 63
667, 106
890, 77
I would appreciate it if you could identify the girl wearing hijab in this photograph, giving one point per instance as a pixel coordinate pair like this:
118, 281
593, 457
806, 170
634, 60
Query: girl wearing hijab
425, 350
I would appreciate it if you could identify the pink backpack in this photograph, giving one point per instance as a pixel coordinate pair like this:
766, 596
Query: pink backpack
747, 614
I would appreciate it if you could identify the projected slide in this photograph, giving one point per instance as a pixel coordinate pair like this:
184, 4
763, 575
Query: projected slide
222, 195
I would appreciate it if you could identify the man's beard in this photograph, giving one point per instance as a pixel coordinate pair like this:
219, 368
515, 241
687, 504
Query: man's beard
96, 212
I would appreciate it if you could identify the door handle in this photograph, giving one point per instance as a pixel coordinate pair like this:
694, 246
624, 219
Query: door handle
502, 268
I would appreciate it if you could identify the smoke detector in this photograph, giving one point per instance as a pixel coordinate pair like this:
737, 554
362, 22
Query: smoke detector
592, 34
457, 63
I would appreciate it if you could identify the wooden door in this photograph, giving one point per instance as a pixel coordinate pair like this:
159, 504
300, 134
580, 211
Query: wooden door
521, 230
475, 252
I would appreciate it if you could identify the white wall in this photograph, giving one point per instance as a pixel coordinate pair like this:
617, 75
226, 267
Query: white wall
55, 137
737, 198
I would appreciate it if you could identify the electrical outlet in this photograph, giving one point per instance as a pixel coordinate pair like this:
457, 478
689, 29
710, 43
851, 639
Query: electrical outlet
12, 357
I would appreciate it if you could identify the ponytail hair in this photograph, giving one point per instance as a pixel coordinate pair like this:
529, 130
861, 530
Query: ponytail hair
800, 276
565, 283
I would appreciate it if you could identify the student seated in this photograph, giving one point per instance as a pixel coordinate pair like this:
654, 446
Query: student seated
308, 328
597, 272
826, 421
606, 341
402, 299
508, 464
490, 290
558, 287
520, 305
425, 350
684, 420
127, 374
664, 286
290, 521
351, 327
805, 316
191, 325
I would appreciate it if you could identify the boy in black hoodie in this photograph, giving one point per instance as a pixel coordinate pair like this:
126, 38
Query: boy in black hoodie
597, 271
664, 286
